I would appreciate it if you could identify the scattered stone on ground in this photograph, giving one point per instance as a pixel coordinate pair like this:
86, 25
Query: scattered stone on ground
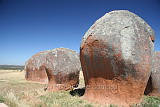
3, 105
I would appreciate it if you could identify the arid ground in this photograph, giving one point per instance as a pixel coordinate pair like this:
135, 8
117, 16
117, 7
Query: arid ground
15, 91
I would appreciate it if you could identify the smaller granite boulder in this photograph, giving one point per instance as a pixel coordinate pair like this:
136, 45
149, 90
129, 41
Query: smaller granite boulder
153, 86
156, 74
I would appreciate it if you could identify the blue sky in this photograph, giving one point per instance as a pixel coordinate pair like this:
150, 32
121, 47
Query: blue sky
31, 26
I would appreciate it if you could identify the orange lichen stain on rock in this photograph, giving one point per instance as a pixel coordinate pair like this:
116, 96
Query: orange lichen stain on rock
100, 64
102, 84
61, 82
152, 38
93, 26
35, 68
37, 75
118, 91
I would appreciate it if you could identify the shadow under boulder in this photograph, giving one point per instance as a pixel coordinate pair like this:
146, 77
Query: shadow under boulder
149, 86
78, 92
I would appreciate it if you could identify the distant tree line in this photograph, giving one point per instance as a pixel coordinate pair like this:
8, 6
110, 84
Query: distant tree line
11, 67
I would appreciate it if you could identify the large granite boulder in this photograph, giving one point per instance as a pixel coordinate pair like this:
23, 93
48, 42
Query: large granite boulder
35, 68
116, 57
153, 87
63, 67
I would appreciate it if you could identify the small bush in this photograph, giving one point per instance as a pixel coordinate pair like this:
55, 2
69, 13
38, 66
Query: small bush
150, 101
88, 105
1, 99
112, 105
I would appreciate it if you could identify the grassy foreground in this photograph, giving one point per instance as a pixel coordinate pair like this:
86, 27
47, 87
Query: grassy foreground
16, 92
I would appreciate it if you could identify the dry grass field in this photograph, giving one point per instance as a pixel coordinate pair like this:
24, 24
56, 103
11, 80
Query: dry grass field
15, 91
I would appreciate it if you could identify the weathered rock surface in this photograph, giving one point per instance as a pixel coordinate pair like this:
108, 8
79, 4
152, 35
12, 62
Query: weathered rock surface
154, 87
35, 68
116, 58
59, 68
63, 67
155, 75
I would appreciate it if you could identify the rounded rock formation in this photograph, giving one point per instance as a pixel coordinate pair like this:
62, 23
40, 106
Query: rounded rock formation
155, 76
63, 67
35, 68
116, 58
